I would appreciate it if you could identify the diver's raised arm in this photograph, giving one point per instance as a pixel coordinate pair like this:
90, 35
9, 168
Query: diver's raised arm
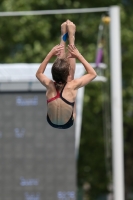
91, 74
40, 72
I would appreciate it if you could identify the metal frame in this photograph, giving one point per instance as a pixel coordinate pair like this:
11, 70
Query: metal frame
53, 12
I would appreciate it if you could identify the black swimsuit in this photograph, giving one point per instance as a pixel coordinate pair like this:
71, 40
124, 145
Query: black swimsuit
71, 120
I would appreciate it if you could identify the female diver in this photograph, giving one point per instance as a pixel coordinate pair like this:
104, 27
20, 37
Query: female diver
61, 93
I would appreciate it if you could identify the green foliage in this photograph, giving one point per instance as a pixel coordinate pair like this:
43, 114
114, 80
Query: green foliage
127, 60
29, 38
92, 152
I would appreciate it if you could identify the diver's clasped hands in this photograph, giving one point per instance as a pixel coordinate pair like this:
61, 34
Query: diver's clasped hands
73, 51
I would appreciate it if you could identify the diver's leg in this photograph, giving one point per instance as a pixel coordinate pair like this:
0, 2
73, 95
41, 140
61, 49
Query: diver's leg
71, 28
63, 41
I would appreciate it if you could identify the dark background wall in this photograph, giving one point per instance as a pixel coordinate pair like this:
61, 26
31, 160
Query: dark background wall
37, 162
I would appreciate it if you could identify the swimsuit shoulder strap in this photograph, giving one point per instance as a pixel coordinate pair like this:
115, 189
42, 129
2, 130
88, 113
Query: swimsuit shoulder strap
66, 101
62, 89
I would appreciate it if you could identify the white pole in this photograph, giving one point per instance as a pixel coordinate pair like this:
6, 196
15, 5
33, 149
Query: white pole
116, 104
79, 110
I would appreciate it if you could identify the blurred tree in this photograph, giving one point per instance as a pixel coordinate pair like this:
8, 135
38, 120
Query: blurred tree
29, 38
127, 60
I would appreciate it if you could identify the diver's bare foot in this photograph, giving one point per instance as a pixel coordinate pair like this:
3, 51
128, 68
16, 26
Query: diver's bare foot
71, 28
63, 28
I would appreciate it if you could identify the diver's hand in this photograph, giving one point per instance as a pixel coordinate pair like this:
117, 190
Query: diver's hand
56, 51
73, 52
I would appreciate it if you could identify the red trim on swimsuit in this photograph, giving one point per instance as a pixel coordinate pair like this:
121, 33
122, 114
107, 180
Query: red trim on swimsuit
56, 97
